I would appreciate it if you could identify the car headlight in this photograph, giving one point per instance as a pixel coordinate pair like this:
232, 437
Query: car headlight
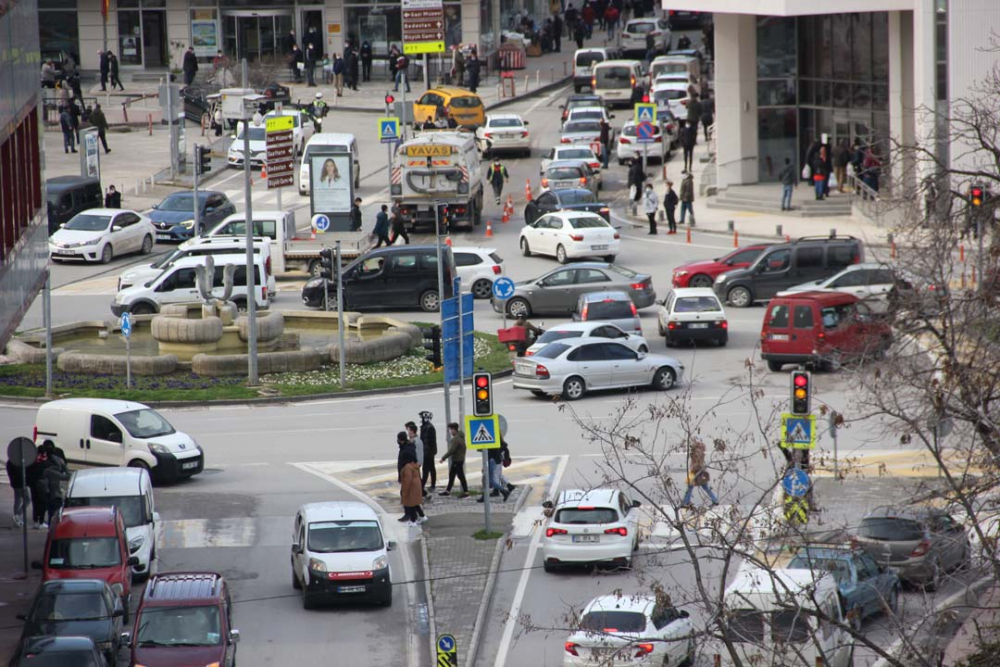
118, 589
680, 273
315, 282
721, 278
317, 565
157, 448
187, 224
135, 543
380, 563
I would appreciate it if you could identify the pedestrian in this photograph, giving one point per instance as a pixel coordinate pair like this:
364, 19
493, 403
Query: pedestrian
571, 15
497, 176
650, 204
428, 435
291, 41
670, 206
413, 435
687, 196
318, 110
456, 458
381, 231
66, 125
688, 138
48, 74
405, 448
871, 168
459, 66
54, 474
650, 47
98, 120
366, 61
707, 115
827, 153
473, 67
113, 69
393, 57
409, 491
351, 62
402, 64
557, 31
694, 116
19, 483
636, 179
493, 459
36, 483
295, 62
789, 179
113, 198
708, 40
339, 67
218, 121
841, 156
605, 141
505, 462
611, 20
819, 173
578, 34
398, 228
697, 473
310, 59
588, 16
105, 65
190, 66
74, 112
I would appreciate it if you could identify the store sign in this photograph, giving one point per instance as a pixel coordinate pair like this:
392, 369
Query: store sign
423, 26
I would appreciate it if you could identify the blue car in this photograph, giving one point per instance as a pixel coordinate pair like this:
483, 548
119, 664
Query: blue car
866, 588
174, 216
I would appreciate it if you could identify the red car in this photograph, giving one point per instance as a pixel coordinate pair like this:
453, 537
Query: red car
822, 330
703, 273
90, 543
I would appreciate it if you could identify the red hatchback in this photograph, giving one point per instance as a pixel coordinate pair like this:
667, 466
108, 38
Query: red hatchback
821, 329
90, 543
703, 273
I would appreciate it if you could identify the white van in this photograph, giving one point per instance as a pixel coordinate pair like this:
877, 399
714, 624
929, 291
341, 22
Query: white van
131, 491
341, 141
689, 66
100, 432
177, 284
614, 81
583, 66
767, 625
199, 247
339, 552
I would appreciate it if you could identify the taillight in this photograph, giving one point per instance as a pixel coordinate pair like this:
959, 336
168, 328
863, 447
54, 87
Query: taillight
621, 530
496, 269
633, 81
593, 83
623, 140
264, 293
671, 325
565, 140
594, 165
528, 353
617, 235
545, 182
921, 549
724, 324
635, 313
583, 180
512, 347
583, 314
570, 648
267, 266
541, 372
821, 336
658, 139
670, 127
524, 134
637, 285
576, 237
549, 532
488, 135
34, 434
643, 649
459, 210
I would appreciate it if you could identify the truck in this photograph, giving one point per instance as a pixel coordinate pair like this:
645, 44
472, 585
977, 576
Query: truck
438, 169
291, 250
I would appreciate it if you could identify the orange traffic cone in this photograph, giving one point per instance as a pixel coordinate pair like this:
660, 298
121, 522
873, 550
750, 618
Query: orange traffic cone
312, 234
506, 214
527, 189
510, 203
489, 229
736, 239
263, 173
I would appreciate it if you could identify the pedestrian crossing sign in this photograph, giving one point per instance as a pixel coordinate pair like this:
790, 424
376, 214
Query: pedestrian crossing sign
482, 432
798, 431
388, 130
645, 113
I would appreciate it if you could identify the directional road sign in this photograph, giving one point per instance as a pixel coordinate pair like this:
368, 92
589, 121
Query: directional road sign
321, 222
482, 432
388, 130
279, 140
126, 325
423, 26
645, 113
797, 431
503, 288
645, 133
447, 651
796, 483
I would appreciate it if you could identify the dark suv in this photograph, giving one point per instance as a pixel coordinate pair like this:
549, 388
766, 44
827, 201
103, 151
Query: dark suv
787, 264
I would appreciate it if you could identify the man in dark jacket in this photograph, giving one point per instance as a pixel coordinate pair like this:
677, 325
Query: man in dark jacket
310, 59
694, 116
190, 66
39, 494
381, 230
113, 198
351, 63
707, 115
98, 120
366, 61
294, 58
398, 228
472, 67
687, 196
636, 177
105, 69
605, 142
66, 125
456, 455
789, 179
841, 156
670, 206
688, 138
557, 31
406, 450
497, 176
428, 435
356, 215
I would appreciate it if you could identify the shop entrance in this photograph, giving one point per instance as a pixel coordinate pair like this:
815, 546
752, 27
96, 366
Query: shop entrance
255, 35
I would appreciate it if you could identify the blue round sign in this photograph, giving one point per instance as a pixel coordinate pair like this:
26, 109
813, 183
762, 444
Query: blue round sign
126, 325
446, 643
503, 288
796, 483
321, 222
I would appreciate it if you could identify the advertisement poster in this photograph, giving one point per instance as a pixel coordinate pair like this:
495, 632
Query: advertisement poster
205, 36
91, 156
331, 183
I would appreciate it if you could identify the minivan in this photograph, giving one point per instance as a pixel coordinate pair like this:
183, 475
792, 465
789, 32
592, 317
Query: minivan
131, 491
821, 329
614, 81
334, 142
66, 196
200, 246
786, 264
402, 277
95, 432
583, 66
612, 306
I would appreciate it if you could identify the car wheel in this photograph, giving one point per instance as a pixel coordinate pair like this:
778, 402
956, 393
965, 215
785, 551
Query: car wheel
139, 463
147, 245
315, 267
517, 307
621, 162
561, 254
573, 388
721, 342
739, 297
644, 349
142, 309
664, 379
934, 582
547, 567
700, 280
610, 259
107, 254
525, 248
307, 602
774, 366
386, 600
241, 305
482, 289
295, 580
538, 393
577, 89
429, 301
893, 603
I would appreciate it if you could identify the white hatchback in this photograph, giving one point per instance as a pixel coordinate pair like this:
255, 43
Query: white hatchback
570, 234
504, 132
585, 152
583, 527
593, 329
302, 128
478, 268
258, 146
635, 32
629, 148
101, 234
692, 315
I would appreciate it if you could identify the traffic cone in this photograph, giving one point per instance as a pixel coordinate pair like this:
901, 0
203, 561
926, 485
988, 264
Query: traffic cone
312, 235
489, 229
510, 203
263, 173
736, 239
527, 189
506, 214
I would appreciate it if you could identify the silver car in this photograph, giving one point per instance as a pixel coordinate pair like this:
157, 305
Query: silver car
556, 292
612, 306
562, 174
580, 132
570, 368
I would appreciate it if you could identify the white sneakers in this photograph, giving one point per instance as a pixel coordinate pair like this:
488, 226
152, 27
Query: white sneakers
17, 521
420, 520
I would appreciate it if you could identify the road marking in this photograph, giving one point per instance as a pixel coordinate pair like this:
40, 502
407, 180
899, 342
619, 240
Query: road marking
522, 585
525, 520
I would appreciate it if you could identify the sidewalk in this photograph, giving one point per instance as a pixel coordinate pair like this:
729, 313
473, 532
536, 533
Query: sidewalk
16, 592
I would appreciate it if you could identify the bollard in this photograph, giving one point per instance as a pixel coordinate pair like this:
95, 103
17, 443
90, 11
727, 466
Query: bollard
150, 119
892, 250
552, 74
689, 235
963, 278
736, 239
730, 226
777, 230
525, 83
833, 233
660, 215
538, 73
564, 68
961, 252
137, 187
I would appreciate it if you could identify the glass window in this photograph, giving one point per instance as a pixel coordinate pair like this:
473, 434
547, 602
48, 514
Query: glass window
862, 96
103, 428
776, 92
841, 46
841, 95
344, 536
559, 278
593, 352
880, 47
621, 621
467, 259
609, 310
861, 51
779, 317
618, 352
145, 423
591, 276
58, 33
821, 45
880, 97
747, 625
808, 258
404, 263
776, 141
697, 304
487, 30
85, 552
888, 529
380, 24
803, 317
851, 279
57, 606
836, 315
555, 334
131, 507
179, 626
791, 627
840, 256
776, 261
129, 38
776, 53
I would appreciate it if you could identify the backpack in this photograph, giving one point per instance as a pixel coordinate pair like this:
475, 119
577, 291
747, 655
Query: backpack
402, 63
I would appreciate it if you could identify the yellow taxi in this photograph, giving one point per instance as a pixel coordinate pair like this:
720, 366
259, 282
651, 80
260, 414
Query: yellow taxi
466, 108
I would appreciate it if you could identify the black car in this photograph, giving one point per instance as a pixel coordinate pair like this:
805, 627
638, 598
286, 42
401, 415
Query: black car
273, 93
196, 103
174, 216
58, 652
68, 195
567, 199
684, 20
394, 277
76, 608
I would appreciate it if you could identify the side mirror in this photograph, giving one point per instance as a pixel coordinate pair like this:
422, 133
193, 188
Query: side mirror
683, 614
155, 206
116, 228
133, 560
636, 503
660, 302
548, 505
156, 517
125, 638
562, 106
527, 123
611, 116
234, 636
297, 549
390, 546
61, 225
642, 355
729, 262
37, 565
209, 209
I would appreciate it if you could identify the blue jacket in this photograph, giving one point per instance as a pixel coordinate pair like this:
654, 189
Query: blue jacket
382, 224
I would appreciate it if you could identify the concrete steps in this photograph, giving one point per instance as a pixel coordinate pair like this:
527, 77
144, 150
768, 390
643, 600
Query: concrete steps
767, 199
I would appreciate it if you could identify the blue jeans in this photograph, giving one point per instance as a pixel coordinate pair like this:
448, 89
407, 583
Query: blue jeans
686, 207
401, 76
494, 473
706, 488
820, 187
786, 197
611, 31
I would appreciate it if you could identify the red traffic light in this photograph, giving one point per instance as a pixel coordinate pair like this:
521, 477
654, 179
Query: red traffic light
976, 195
482, 381
645, 99
389, 99
801, 380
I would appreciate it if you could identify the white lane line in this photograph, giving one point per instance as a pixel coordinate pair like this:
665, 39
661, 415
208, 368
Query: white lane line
522, 585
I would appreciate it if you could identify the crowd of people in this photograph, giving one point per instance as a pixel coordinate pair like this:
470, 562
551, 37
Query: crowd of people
40, 485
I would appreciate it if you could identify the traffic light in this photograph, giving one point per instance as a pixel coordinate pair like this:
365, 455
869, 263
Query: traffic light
482, 398
389, 99
432, 342
202, 159
801, 392
977, 195
326, 263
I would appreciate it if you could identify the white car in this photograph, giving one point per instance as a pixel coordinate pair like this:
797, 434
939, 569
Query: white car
585, 152
580, 132
101, 234
635, 31
258, 147
676, 77
571, 368
504, 132
869, 282
302, 131
593, 329
199, 246
629, 148
597, 526
568, 235
674, 96
478, 268
691, 315
631, 630
590, 113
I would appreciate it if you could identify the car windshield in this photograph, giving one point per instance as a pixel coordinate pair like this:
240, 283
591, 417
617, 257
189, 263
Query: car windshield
583, 102
609, 310
662, 96
567, 197
86, 222
62, 606
613, 77
576, 154
340, 536
790, 627
586, 515
61, 659
179, 626
838, 567
696, 304
465, 103
585, 114
574, 126
145, 423
562, 173
589, 222
256, 134
747, 625
553, 335
84, 553
621, 270
506, 122
640, 28
588, 58
169, 258
552, 351
130, 506
180, 201
890, 529
613, 621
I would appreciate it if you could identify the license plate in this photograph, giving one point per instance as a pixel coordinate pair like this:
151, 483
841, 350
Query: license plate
63, 252
779, 336
598, 247
163, 236
523, 369
699, 325
189, 466
350, 589
586, 538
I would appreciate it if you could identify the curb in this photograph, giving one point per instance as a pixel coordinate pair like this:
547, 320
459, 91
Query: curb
431, 623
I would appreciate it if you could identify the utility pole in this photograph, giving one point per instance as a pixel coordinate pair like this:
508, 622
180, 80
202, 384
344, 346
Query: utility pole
47, 314
197, 205
440, 265
251, 286
340, 319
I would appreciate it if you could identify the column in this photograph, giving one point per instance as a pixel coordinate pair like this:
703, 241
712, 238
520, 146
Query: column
336, 28
736, 99
901, 89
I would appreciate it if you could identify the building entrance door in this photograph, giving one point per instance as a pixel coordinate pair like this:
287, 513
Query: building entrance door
154, 38
255, 35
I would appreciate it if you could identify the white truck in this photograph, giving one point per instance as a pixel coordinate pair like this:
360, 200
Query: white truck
291, 249
438, 168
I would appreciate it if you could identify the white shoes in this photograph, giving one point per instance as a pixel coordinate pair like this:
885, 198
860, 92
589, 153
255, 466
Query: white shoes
423, 519
412, 524
17, 522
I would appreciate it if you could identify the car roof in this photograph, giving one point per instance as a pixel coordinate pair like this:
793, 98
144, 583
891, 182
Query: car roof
670, 85
99, 482
573, 215
73, 586
672, 58
479, 250
338, 511
577, 145
172, 588
605, 295
556, 192
829, 552
695, 291
620, 61
392, 251
627, 603
494, 116
235, 256
583, 96
595, 107
47, 644
112, 405
768, 590
890, 512
323, 138
577, 265
108, 211
60, 183
820, 298
257, 215
453, 91
596, 497
580, 326
592, 48
91, 521
574, 162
